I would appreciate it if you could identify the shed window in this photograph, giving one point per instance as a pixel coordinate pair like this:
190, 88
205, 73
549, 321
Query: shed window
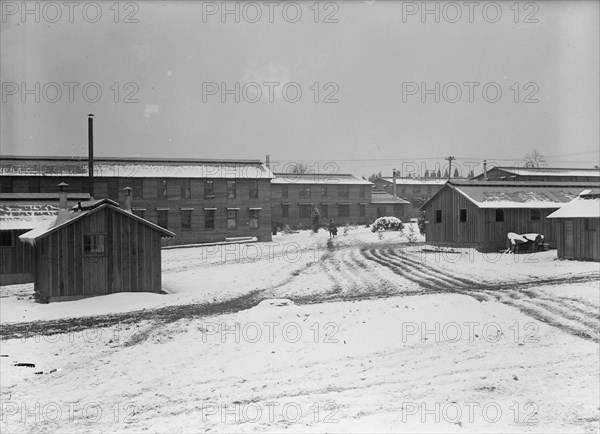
209, 189
163, 218
535, 215
438, 215
231, 219
362, 191
209, 219
138, 212
93, 244
5, 239
589, 225
343, 210
186, 189
285, 211
499, 215
186, 219
284, 191
231, 193
324, 191
254, 219
462, 216
362, 210
253, 189
325, 211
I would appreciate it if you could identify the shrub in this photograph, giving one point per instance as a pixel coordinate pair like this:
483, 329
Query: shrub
387, 224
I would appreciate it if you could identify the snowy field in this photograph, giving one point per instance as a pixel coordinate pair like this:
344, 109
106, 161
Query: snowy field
369, 334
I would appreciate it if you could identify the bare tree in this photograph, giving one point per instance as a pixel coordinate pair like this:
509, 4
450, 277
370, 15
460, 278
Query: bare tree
534, 159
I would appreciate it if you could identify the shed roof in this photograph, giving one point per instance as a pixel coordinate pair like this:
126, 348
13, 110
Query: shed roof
548, 171
19, 211
383, 197
516, 194
46, 228
586, 205
416, 181
135, 167
318, 178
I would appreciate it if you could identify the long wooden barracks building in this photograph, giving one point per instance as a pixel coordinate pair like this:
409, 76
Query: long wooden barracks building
199, 200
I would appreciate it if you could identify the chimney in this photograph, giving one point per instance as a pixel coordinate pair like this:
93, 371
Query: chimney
394, 184
268, 161
91, 154
485, 170
128, 198
63, 208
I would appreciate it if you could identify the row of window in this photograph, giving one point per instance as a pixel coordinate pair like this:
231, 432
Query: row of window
343, 191
209, 218
306, 211
534, 215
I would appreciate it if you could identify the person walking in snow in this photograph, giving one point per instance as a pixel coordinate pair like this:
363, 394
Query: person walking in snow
332, 229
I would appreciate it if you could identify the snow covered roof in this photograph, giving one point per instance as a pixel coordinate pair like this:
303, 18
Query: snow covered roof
135, 168
416, 181
586, 205
383, 197
548, 171
314, 178
20, 211
47, 227
524, 195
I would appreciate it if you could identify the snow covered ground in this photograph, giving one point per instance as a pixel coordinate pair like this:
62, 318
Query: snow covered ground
368, 335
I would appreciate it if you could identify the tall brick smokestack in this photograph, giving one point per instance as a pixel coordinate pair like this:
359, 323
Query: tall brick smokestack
91, 154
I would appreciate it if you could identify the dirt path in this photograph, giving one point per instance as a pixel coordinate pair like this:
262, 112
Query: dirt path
356, 274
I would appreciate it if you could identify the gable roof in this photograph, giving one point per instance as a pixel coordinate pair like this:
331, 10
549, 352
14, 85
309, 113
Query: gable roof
416, 181
383, 197
46, 228
318, 178
586, 205
515, 194
546, 171
134, 167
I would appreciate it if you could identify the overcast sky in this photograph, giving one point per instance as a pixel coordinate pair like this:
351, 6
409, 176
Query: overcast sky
375, 58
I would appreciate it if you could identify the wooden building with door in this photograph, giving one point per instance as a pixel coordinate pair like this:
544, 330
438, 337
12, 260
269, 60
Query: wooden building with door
416, 191
19, 213
386, 205
200, 200
97, 248
578, 227
481, 213
342, 198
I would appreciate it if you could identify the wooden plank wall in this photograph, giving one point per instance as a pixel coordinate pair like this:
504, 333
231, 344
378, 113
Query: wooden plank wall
16, 264
586, 242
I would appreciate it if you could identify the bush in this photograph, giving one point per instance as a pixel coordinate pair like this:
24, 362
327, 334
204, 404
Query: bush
387, 224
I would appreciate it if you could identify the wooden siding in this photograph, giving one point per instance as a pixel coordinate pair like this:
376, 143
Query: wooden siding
585, 242
131, 260
17, 261
317, 199
481, 229
145, 196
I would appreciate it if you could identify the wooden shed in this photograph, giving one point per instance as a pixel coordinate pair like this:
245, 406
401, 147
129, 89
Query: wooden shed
386, 205
97, 248
578, 231
19, 213
481, 213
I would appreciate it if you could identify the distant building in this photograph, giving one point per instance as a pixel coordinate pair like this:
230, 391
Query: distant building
385, 205
481, 213
416, 191
579, 227
19, 213
97, 248
546, 174
199, 200
340, 197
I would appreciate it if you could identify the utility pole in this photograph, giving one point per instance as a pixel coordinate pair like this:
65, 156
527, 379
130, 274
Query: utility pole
449, 159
